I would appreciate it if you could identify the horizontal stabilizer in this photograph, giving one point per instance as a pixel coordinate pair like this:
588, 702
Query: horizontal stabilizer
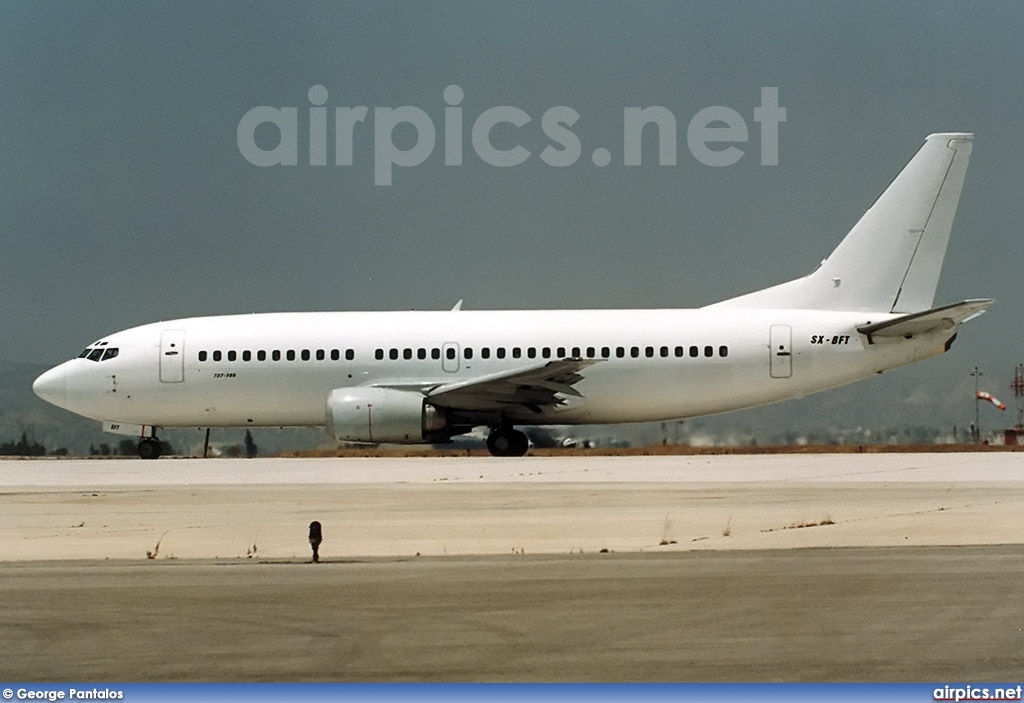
943, 318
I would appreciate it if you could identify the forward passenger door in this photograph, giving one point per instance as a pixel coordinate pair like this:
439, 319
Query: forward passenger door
172, 356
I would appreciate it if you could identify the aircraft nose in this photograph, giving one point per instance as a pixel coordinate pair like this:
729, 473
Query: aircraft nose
52, 386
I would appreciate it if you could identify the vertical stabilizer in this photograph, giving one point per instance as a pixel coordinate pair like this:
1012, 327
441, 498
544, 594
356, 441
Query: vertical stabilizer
891, 259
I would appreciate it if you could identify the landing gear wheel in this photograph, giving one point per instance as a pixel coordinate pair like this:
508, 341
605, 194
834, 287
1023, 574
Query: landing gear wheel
150, 449
506, 441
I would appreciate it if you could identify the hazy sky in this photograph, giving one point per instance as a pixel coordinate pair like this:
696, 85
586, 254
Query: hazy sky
125, 198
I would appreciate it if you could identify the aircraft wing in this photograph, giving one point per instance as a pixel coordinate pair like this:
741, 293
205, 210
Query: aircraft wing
532, 387
942, 318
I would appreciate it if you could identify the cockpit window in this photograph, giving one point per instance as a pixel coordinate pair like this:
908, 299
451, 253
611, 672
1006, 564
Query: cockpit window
98, 353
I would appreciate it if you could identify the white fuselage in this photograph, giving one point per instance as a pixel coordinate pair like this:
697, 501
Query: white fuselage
277, 369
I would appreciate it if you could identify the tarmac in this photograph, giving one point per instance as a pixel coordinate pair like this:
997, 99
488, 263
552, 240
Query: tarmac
822, 567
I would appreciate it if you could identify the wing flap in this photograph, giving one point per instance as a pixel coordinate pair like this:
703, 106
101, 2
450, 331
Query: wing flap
533, 387
941, 318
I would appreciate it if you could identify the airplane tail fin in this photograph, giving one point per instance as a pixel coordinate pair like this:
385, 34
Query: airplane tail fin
890, 261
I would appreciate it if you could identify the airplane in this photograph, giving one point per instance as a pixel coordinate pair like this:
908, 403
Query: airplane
428, 376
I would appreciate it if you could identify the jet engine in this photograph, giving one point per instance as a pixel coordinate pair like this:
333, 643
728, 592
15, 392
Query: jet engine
384, 415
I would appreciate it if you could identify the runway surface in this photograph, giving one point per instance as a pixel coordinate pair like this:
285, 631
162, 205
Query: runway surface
891, 567
908, 614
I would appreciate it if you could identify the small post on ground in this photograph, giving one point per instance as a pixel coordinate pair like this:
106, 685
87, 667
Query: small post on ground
315, 538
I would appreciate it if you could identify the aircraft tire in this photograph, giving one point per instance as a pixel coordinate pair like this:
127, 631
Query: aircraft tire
150, 449
507, 442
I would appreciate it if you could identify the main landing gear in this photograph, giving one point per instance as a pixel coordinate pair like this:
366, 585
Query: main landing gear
506, 441
150, 448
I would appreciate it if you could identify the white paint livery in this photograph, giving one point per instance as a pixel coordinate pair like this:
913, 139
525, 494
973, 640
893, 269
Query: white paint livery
427, 376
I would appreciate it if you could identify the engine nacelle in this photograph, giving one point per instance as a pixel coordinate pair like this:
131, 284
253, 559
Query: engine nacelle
383, 415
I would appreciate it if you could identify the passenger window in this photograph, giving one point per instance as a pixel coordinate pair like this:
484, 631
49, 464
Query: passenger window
620, 352
232, 355
723, 351
664, 352
335, 354
276, 355
680, 351
421, 353
485, 353
247, 355
110, 353
350, 354
290, 355
261, 355
634, 352
709, 351
560, 353
531, 352
694, 351
305, 355
546, 352
516, 352
606, 352
393, 354
407, 353
468, 352
500, 352
321, 355
216, 355
202, 356
649, 351
379, 355
450, 353
435, 353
